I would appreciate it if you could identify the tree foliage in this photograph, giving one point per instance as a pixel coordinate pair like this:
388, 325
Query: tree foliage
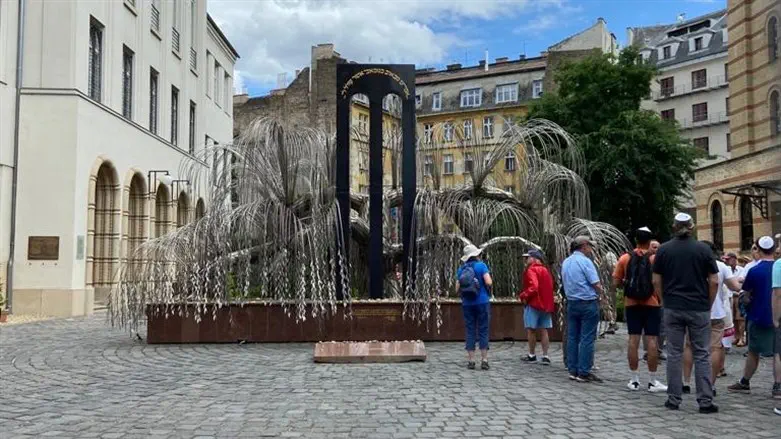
637, 165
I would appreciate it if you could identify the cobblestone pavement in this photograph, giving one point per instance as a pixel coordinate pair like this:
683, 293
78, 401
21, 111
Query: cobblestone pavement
78, 378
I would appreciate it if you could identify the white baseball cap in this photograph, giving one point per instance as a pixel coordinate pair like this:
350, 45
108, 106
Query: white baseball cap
683, 217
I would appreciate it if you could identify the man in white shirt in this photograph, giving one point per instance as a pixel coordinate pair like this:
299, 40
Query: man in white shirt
717, 315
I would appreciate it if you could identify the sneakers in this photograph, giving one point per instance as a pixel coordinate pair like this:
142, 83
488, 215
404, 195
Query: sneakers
546, 361
530, 358
740, 387
713, 408
470, 365
573, 376
776, 391
656, 387
484, 365
686, 389
634, 385
671, 406
777, 410
590, 378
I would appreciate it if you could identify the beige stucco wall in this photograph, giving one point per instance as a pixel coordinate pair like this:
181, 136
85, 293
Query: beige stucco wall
65, 135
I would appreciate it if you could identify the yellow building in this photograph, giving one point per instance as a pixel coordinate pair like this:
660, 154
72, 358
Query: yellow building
739, 200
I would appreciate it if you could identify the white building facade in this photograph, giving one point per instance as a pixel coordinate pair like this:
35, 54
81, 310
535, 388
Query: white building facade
692, 87
116, 98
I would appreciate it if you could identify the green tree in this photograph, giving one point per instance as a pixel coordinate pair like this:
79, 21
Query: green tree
637, 165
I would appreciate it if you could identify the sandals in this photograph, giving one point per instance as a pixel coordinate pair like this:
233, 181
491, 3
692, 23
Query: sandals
483, 365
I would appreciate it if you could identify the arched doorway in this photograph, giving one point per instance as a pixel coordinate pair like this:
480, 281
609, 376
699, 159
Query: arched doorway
162, 217
182, 210
103, 251
746, 224
136, 218
200, 209
717, 224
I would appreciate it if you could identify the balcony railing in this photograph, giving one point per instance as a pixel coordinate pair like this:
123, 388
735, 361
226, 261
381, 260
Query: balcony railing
684, 89
711, 119
175, 40
155, 19
193, 58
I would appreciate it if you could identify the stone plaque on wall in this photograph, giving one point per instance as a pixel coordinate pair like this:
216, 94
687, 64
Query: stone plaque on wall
43, 248
79, 247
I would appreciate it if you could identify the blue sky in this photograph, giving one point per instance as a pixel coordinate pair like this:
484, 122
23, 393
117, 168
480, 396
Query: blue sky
274, 36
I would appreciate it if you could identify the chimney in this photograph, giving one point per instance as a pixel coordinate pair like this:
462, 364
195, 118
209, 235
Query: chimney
522, 57
502, 59
454, 66
681, 18
485, 61
601, 20
482, 63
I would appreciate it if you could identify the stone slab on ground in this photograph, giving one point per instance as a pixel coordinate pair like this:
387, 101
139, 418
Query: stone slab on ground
369, 352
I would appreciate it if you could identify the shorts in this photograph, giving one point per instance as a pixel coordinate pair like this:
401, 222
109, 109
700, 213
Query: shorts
643, 319
536, 319
761, 340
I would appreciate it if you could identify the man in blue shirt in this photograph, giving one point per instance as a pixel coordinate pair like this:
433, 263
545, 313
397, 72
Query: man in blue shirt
582, 288
761, 327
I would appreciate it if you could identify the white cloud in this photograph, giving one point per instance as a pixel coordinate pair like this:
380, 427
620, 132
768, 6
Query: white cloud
275, 36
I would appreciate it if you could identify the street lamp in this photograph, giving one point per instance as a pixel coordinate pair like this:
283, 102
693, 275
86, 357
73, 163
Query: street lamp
165, 178
175, 185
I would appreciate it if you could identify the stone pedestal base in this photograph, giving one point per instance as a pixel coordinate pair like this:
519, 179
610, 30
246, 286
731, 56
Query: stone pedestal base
369, 352
53, 302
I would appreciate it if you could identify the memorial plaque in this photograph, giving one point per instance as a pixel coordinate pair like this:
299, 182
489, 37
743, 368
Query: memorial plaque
43, 248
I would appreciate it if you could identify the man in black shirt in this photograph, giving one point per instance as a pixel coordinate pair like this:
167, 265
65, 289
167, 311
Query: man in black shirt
687, 276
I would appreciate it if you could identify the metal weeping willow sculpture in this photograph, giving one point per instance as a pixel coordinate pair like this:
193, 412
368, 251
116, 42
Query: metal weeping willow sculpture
272, 230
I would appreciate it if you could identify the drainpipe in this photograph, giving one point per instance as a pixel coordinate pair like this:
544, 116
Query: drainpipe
15, 173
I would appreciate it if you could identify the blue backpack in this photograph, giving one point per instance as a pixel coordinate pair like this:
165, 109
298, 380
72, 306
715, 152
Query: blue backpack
468, 283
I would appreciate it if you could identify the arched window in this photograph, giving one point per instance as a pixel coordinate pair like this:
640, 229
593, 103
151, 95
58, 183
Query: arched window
775, 113
182, 210
746, 224
772, 40
717, 225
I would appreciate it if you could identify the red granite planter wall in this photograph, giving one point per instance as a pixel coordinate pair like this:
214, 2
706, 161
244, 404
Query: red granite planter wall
259, 322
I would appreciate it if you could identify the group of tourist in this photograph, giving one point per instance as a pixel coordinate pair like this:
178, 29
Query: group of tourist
683, 290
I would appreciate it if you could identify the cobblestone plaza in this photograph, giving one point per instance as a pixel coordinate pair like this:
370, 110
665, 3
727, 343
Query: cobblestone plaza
77, 378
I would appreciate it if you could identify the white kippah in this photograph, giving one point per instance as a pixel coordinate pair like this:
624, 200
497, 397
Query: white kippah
766, 243
644, 229
683, 217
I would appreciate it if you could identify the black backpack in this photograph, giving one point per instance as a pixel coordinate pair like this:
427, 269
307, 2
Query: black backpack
638, 284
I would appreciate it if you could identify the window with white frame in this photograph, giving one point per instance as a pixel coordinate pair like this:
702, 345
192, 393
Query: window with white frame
127, 82
509, 161
507, 124
428, 132
154, 15
95, 78
176, 12
363, 123
468, 129
447, 164
436, 101
471, 98
506, 93
153, 99
217, 81
418, 100
488, 127
537, 89
469, 162
448, 131
174, 115
428, 164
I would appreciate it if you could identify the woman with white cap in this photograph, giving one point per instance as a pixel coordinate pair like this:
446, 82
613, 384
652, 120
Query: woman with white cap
474, 281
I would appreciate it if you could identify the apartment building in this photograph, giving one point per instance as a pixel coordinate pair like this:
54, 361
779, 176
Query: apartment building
692, 85
116, 97
463, 110
739, 200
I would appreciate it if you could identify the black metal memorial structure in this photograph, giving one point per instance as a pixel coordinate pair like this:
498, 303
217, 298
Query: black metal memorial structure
375, 81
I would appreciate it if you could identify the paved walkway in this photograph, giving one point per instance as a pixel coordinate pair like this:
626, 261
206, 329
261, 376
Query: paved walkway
77, 378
